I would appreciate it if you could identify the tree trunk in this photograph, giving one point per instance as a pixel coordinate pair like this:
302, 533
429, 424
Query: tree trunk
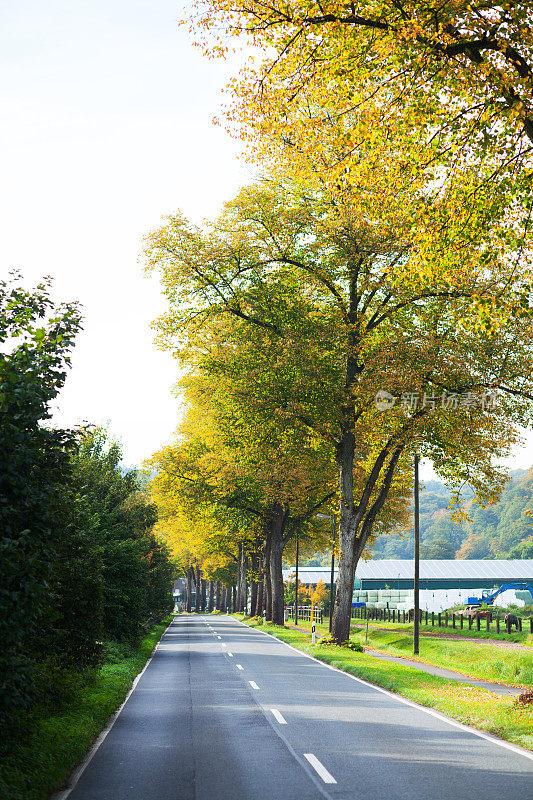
276, 564
267, 584
211, 600
356, 522
258, 610
204, 594
253, 582
242, 588
217, 595
234, 598
198, 591
189, 590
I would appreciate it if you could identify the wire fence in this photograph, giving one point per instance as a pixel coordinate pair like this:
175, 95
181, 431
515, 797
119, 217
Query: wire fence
485, 619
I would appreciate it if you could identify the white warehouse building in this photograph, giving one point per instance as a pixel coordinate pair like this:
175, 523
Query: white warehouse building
388, 583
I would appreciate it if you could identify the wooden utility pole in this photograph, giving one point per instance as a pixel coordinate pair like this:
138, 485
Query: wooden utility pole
416, 587
296, 579
331, 589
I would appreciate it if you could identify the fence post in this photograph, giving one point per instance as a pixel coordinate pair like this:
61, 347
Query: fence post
439, 620
445, 619
520, 624
531, 624
432, 619
497, 624
427, 617
478, 623
470, 620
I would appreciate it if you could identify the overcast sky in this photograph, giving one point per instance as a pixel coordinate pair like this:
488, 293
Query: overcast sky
106, 127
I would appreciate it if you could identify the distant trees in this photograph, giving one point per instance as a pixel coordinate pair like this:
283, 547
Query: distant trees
501, 530
438, 548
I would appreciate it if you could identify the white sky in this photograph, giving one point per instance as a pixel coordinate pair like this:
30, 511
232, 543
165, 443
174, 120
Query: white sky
106, 127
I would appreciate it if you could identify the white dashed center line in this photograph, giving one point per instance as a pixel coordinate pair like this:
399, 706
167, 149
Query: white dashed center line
279, 716
326, 776
253, 684
239, 666
230, 655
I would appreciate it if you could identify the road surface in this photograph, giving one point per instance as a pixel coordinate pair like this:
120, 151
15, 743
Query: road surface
225, 712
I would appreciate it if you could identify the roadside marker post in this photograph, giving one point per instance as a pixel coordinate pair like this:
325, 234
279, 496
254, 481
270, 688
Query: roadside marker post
264, 615
313, 633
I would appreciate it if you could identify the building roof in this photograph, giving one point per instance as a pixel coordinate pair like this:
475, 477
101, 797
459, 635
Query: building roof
497, 570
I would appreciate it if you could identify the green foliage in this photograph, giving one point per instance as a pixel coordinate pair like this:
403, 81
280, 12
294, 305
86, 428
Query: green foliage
36, 338
437, 549
77, 554
501, 530
52, 738
330, 641
136, 567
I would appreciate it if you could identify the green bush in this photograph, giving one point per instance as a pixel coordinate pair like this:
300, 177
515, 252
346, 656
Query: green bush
330, 641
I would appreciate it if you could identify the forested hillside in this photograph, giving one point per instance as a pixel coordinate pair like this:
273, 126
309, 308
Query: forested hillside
503, 530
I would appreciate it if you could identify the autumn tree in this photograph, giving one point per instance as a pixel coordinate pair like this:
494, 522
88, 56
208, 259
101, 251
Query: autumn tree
257, 483
316, 290
423, 111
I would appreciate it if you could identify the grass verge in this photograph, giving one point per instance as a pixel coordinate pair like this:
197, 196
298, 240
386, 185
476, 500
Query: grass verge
479, 660
38, 759
467, 704
524, 638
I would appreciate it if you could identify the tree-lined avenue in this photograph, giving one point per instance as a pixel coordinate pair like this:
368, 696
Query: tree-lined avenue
271, 722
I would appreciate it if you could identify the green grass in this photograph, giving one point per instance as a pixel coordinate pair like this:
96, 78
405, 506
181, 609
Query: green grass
51, 744
470, 657
469, 705
520, 638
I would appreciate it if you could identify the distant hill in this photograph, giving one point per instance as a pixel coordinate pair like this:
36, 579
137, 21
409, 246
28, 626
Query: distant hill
503, 530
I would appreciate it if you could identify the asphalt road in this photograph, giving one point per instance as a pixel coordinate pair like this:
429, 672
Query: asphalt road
225, 712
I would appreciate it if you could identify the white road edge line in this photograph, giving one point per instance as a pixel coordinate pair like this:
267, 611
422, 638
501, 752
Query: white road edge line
279, 716
230, 655
76, 775
239, 666
253, 684
506, 745
326, 776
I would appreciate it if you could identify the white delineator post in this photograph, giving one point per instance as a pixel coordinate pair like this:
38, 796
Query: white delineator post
313, 633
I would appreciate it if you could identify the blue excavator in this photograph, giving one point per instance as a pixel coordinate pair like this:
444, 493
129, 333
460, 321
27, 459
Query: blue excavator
488, 598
